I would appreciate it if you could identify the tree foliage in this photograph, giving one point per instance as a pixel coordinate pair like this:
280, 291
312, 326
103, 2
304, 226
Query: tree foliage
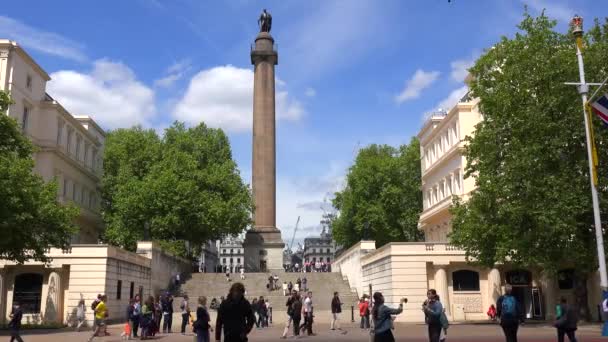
31, 218
382, 198
532, 205
183, 186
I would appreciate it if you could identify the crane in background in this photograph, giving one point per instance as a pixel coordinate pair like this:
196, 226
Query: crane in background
294, 234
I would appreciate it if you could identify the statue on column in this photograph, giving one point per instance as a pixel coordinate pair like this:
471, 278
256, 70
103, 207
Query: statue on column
265, 21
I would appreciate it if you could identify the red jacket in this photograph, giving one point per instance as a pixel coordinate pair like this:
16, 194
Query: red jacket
363, 309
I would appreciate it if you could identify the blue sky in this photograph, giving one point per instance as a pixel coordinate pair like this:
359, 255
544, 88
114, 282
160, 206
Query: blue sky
350, 73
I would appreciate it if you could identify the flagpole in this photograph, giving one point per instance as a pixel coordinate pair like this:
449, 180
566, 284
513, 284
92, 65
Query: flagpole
583, 89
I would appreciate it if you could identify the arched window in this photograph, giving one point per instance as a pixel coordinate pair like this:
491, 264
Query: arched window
28, 292
465, 280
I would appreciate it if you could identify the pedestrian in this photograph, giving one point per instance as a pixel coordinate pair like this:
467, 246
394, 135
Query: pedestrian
93, 305
101, 314
201, 326
185, 314
509, 312
270, 285
235, 316
382, 316
129, 318
276, 282
227, 274
289, 286
299, 283
492, 312
364, 313
285, 289
336, 309
290, 301
136, 315
15, 322
296, 314
262, 313
256, 312
305, 284
605, 313
269, 310
433, 309
308, 310
147, 318
566, 323
167, 307
158, 315
242, 273
80, 314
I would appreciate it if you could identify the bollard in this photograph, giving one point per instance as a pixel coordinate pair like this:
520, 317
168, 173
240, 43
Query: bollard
352, 314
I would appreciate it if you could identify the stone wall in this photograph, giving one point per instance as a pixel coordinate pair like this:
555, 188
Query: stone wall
348, 263
163, 266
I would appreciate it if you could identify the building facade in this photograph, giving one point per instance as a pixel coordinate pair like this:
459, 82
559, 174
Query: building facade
70, 151
321, 248
231, 254
208, 259
466, 291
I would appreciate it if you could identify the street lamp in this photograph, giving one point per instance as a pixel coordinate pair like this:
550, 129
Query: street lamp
576, 26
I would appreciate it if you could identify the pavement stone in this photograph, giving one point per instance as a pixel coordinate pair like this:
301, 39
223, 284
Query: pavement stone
403, 332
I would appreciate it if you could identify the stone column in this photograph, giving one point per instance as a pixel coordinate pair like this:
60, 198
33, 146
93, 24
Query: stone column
2, 296
441, 285
54, 305
494, 285
548, 288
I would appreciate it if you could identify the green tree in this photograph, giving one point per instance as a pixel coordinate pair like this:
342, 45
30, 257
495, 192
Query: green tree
184, 187
382, 198
532, 206
31, 218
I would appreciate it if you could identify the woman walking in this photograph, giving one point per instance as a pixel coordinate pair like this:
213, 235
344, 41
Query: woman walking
201, 325
147, 318
433, 309
80, 314
381, 315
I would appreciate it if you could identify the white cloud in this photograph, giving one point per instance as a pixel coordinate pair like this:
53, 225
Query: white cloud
110, 94
174, 73
310, 92
553, 8
415, 85
46, 42
223, 97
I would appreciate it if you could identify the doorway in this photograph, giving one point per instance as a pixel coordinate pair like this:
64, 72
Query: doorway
262, 265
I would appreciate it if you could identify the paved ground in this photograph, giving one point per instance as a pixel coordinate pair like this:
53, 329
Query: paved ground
403, 332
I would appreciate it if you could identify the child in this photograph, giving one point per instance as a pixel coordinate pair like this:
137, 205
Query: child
492, 312
126, 333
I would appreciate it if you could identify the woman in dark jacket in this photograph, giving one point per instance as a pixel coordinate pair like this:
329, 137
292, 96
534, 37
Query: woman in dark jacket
201, 326
382, 318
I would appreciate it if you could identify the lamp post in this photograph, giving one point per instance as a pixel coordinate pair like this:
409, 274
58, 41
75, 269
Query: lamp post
583, 89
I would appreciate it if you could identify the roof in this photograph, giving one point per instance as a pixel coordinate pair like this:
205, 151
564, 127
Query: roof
13, 46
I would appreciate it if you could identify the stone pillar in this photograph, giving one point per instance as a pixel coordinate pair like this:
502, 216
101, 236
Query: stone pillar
494, 285
441, 285
53, 301
548, 288
263, 243
2, 296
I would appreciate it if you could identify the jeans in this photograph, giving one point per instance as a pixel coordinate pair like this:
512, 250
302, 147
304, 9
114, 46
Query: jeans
202, 335
569, 333
185, 317
15, 335
167, 320
307, 323
434, 332
510, 330
135, 322
364, 322
386, 336
296, 326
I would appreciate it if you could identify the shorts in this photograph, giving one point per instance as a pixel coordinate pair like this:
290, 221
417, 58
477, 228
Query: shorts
100, 322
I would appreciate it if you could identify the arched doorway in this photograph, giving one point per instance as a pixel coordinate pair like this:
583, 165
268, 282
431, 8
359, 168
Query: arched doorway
28, 292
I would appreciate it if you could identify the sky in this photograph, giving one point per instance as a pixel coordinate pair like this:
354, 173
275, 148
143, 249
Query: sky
350, 73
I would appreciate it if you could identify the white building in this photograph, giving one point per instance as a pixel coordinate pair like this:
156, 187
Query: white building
69, 151
231, 254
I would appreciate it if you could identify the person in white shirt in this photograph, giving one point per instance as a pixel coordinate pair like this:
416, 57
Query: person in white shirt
284, 288
307, 309
242, 272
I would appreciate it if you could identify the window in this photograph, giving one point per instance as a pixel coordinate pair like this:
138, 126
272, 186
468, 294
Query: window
223, 251
314, 250
25, 118
94, 159
441, 190
65, 187
69, 141
565, 279
457, 182
141, 292
231, 261
314, 259
59, 132
231, 251
328, 260
28, 292
328, 251
28, 82
448, 183
465, 280
86, 154
224, 261
238, 260
119, 289
132, 290
78, 141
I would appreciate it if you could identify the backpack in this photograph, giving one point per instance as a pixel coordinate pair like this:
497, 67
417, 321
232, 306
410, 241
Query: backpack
94, 304
508, 308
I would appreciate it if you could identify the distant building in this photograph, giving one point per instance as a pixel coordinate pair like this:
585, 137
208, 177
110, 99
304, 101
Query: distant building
321, 248
232, 253
208, 259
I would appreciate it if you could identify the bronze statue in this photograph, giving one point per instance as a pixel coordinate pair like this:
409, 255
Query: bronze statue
265, 21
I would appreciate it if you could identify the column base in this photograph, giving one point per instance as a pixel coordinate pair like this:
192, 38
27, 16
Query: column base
263, 250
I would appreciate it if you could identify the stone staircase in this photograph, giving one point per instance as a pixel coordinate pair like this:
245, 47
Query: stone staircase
322, 285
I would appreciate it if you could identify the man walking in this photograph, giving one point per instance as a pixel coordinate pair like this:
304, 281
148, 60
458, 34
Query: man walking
234, 316
308, 315
290, 314
15, 323
101, 314
336, 309
509, 312
167, 307
185, 314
